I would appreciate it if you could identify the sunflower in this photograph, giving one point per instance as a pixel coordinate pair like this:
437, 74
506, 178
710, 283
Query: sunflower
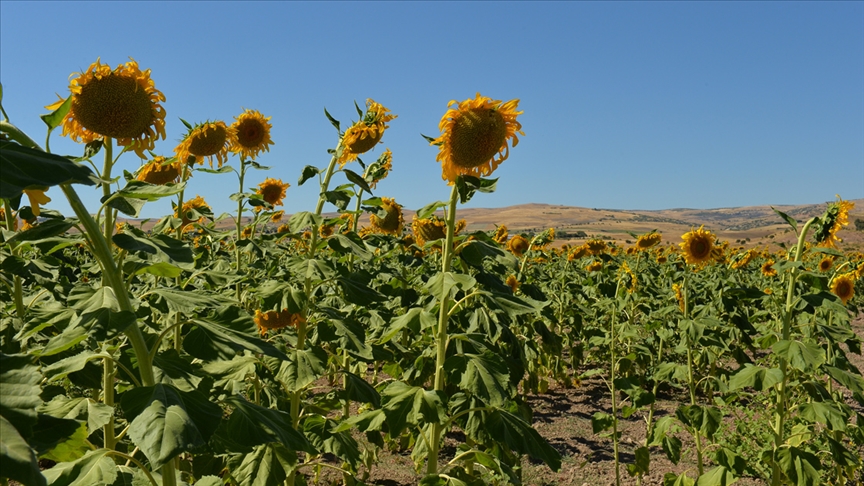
247, 232
122, 104
594, 266
646, 241
628, 277
392, 223
859, 272
825, 264
501, 234
834, 219
160, 171
661, 259
37, 198
513, 283
205, 141
277, 216
768, 269
518, 245
366, 133
473, 132
253, 134
195, 204
428, 229
577, 253
272, 191
285, 228
596, 247
270, 320
380, 169
326, 230
742, 259
679, 296
697, 246
14, 219
843, 286
544, 240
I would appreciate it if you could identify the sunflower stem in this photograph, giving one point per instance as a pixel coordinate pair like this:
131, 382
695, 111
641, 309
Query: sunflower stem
18, 291
106, 190
441, 338
780, 410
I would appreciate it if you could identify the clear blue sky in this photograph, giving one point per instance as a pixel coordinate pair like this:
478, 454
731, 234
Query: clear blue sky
630, 105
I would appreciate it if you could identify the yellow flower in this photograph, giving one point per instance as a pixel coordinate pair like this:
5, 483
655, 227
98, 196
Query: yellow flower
577, 253
825, 264
545, 239
501, 234
160, 171
428, 229
253, 134
595, 247
205, 141
518, 245
697, 246
646, 241
834, 219
661, 259
513, 283
197, 203
843, 286
122, 104
472, 133
272, 191
379, 169
741, 260
594, 266
247, 232
325, 230
628, 277
768, 269
277, 216
37, 198
768, 290
393, 222
679, 296
14, 219
283, 228
270, 320
366, 133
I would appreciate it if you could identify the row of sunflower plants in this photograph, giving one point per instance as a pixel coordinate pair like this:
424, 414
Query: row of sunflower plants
720, 330
188, 354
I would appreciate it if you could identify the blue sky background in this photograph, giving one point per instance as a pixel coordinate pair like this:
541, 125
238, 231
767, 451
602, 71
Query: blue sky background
630, 105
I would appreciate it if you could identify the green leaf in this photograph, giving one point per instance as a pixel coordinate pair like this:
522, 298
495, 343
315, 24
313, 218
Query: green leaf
62, 368
19, 379
484, 375
105, 323
304, 220
404, 404
95, 468
805, 357
705, 419
163, 247
855, 383
72, 448
415, 319
444, 283
800, 467
236, 369
468, 185
756, 377
351, 334
787, 218
128, 206
601, 421
824, 413
350, 243
222, 170
95, 414
167, 421
135, 189
320, 432
429, 209
267, 465
358, 390
19, 460
512, 305
642, 462
338, 198
46, 229
250, 425
302, 368
225, 335
357, 179
180, 301
671, 479
22, 168
334, 121
515, 433
718, 476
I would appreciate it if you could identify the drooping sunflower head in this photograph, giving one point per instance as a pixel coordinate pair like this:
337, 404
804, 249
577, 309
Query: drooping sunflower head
518, 245
272, 320
768, 269
247, 232
544, 239
501, 234
392, 223
596, 247
205, 141
379, 169
474, 135
192, 211
285, 228
843, 286
742, 259
697, 246
830, 223
253, 134
362, 136
825, 264
513, 283
160, 171
276, 217
594, 266
661, 259
647, 241
122, 104
577, 253
272, 191
428, 229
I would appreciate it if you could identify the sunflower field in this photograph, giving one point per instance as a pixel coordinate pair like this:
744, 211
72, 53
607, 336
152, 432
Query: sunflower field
289, 350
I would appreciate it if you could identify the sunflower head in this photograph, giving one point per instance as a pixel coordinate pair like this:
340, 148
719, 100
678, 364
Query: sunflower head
205, 141
825, 264
628, 277
362, 136
830, 223
513, 283
253, 134
501, 234
379, 169
544, 239
272, 191
768, 269
518, 245
122, 104
679, 296
285, 228
247, 232
428, 229
596, 247
661, 259
474, 135
276, 217
742, 259
160, 171
843, 286
392, 223
191, 208
577, 253
697, 246
271, 320
594, 266
647, 241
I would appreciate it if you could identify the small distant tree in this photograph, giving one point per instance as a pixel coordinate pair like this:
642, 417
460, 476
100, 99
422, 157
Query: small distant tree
859, 224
